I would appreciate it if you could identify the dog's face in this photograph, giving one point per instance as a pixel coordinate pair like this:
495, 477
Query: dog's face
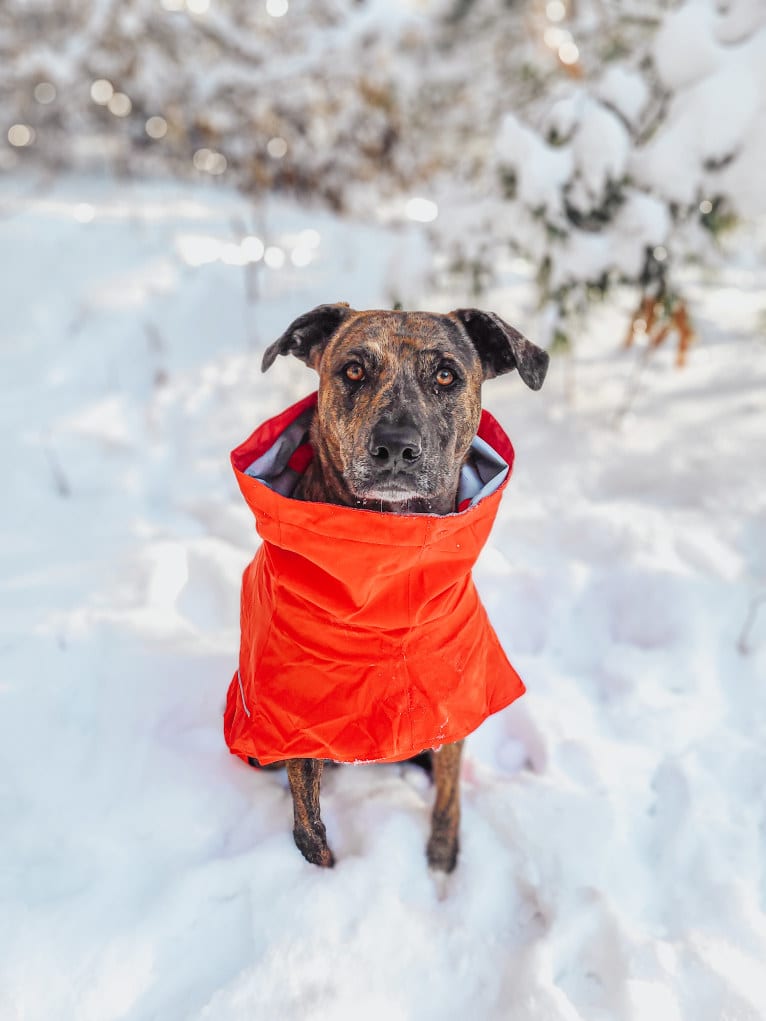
400, 393
399, 403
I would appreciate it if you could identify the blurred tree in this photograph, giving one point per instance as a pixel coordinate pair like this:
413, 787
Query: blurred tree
607, 142
269, 96
633, 160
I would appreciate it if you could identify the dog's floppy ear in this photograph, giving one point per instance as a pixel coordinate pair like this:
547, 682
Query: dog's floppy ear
501, 348
307, 336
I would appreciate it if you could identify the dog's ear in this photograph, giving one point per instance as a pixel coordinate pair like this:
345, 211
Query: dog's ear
307, 336
501, 348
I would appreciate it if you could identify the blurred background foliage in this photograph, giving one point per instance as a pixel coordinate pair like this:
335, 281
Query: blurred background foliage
606, 143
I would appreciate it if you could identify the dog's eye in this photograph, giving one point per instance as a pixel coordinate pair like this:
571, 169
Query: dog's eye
354, 371
445, 377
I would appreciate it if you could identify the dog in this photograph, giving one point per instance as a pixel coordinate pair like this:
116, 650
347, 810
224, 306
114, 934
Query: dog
399, 404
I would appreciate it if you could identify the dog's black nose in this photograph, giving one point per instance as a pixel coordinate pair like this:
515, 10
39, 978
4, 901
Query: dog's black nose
395, 446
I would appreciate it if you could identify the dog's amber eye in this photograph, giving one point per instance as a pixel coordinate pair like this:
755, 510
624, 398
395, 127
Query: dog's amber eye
445, 377
355, 372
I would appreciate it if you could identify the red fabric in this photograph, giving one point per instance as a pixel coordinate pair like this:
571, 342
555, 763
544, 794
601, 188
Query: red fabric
301, 458
363, 637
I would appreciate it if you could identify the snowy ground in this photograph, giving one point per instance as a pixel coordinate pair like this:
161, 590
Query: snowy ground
613, 846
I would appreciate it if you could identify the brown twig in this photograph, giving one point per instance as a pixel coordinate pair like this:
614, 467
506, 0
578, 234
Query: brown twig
657, 323
743, 647
60, 480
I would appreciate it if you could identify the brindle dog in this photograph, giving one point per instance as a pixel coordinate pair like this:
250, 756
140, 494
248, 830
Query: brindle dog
399, 404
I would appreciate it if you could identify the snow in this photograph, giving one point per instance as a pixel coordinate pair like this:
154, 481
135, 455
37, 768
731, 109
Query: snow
625, 91
541, 169
641, 222
600, 149
685, 49
716, 109
612, 863
600, 146
587, 168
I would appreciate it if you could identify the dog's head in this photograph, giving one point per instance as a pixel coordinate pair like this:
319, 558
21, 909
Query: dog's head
400, 392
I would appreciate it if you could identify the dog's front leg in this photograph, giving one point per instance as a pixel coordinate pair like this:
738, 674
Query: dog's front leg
305, 776
443, 843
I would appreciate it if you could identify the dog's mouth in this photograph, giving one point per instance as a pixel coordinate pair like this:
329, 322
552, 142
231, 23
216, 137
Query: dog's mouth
391, 487
389, 495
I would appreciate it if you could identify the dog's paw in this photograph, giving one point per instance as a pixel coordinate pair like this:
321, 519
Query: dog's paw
313, 847
442, 850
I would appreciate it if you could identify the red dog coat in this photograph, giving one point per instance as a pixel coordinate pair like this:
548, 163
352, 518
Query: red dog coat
363, 637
